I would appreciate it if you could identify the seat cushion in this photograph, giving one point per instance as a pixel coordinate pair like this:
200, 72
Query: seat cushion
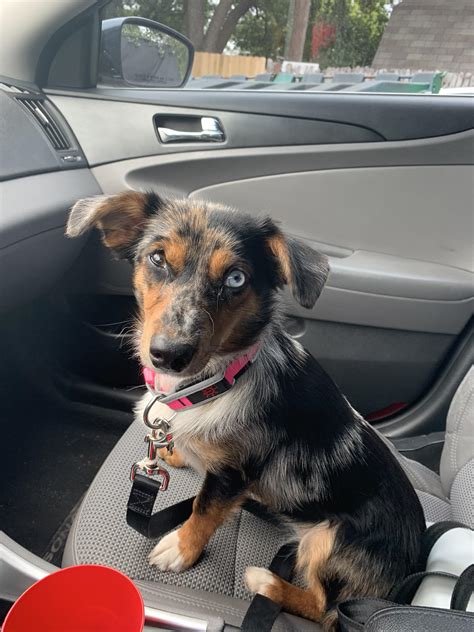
100, 535
459, 439
462, 495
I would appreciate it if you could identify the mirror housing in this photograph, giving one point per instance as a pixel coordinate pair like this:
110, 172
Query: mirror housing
141, 53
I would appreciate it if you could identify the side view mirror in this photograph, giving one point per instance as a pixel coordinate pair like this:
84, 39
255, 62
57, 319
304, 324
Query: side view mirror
137, 52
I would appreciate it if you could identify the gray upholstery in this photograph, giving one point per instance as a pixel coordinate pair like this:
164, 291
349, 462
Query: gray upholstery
459, 440
462, 495
215, 585
100, 535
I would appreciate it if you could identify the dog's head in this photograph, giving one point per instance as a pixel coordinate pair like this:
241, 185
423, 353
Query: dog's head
205, 276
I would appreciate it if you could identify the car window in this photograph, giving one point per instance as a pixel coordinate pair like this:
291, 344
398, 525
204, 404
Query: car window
376, 46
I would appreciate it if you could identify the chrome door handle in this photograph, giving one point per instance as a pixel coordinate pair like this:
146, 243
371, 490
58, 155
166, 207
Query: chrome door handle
212, 132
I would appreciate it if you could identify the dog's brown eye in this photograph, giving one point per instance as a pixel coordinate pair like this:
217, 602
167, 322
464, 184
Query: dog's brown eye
235, 279
158, 259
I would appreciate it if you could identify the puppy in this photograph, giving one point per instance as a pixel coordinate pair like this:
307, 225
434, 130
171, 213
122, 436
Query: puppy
206, 281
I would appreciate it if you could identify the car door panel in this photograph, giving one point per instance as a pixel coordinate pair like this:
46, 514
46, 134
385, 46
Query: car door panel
33, 251
392, 117
368, 190
128, 130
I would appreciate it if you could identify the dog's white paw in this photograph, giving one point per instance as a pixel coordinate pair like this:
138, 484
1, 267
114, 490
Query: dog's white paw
167, 555
260, 580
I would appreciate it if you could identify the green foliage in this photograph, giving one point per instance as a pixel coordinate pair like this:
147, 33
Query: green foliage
359, 27
167, 12
262, 30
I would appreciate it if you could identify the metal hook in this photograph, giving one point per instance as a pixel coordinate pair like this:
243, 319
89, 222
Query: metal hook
156, 424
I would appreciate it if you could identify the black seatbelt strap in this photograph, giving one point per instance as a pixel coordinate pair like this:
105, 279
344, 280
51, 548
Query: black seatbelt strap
354, 614
463, 589
141, 501
262, 612
404, 592
140, 509
432, 535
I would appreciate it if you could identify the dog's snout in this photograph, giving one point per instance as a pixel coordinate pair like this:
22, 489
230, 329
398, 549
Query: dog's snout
166, 353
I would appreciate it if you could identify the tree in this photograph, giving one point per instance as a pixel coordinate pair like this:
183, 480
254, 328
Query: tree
355, 28
262, 29
168, 12
208, 25
298, 16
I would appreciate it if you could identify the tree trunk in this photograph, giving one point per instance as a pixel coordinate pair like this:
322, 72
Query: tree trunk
194, 17
225, 29
229, 25
298, 30
215, 25
289, 27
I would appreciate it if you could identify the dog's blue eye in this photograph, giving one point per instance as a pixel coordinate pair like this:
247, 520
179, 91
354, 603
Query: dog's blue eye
235, 279
157, 258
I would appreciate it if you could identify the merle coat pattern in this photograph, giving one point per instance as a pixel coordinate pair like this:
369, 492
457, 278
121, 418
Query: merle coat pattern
206, 281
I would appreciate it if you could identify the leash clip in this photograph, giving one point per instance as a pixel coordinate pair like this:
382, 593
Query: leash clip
158, 422
151, 469
159, 437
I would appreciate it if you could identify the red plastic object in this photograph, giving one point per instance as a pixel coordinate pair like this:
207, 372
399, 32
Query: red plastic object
388, 411
87, 598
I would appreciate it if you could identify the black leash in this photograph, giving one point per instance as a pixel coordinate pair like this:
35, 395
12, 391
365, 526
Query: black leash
262, 612
140, 509
142, 498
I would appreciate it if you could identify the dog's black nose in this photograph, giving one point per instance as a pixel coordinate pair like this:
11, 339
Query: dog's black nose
168, 354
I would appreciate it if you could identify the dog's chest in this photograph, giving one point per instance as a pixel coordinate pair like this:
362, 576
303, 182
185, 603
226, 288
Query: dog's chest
199, 432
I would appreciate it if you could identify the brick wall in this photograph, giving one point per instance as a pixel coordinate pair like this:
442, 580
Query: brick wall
429, 35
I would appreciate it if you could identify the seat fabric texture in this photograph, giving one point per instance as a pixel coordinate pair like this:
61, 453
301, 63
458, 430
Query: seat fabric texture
215, 586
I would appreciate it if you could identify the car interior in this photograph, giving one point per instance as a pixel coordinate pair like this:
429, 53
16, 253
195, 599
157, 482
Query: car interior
381, 183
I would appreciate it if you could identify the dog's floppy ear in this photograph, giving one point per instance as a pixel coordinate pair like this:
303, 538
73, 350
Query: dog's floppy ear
305, 270
121, 218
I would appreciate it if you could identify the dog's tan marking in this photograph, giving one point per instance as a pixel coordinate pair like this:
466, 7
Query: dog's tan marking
220, 261
197, 530
139, 281
277, 245
230, 321
176, 249
212, 456
310, 604
314, 549
154, 299
175, 459
180, 549
121, 217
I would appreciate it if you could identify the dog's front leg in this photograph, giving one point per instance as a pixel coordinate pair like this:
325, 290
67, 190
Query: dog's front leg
174, 458
220, 494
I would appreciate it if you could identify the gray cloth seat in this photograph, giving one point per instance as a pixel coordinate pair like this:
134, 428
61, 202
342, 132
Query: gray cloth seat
214, 588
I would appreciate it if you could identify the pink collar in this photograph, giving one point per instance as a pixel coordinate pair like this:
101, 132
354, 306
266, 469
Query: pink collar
206, 390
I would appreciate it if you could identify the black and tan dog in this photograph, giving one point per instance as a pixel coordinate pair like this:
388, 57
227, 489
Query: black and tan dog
206, 281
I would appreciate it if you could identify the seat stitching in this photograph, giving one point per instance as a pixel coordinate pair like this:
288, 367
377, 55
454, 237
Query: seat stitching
454, 445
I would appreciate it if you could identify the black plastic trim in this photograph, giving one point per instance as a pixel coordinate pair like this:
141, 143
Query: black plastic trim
392, 117
430, 412
86, 73
29, 149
